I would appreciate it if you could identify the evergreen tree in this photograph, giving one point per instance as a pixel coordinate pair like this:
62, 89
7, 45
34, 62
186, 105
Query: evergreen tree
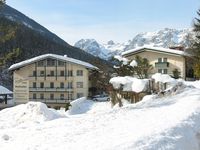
121, 68
176, 73
141, 70
2, 2
196, 46
143, 67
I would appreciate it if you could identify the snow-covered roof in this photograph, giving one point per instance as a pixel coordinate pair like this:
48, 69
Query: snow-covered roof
54, 56
157, 49
4, 90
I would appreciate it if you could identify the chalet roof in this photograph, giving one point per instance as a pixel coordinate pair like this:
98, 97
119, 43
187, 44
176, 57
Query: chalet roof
4, 90
53, 56
156, 49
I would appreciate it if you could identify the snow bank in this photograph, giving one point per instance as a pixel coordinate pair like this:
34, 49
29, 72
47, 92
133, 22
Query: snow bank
193, 83
30, 112
164, 78
155, 123
129, 83
80, 106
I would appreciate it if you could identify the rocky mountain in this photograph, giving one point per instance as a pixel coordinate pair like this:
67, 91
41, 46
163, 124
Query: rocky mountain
32, 39
162, 38
103, 51
91, 46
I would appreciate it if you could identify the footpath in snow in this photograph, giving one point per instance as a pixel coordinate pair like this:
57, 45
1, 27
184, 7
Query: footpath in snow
169, 122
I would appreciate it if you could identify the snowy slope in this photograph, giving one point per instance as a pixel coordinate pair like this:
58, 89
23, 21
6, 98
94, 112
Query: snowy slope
170, 122
163, 38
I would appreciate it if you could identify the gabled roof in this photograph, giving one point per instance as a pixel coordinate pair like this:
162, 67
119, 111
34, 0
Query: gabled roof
156, 49
54, 56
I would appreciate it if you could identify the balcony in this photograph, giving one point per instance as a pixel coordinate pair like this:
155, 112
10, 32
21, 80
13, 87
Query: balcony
48, 89
60, 101
162, 64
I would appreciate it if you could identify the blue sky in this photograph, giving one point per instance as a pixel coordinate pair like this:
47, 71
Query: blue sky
103, 20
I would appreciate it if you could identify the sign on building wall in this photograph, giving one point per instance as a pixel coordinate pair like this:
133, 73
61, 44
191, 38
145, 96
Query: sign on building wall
21, 90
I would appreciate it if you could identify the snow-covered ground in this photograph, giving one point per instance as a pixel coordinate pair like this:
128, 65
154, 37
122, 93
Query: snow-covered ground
169, 122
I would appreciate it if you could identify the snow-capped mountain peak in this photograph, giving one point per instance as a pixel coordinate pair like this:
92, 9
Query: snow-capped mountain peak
163, 38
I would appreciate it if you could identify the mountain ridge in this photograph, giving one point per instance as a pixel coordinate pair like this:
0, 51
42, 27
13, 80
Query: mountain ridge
162, 38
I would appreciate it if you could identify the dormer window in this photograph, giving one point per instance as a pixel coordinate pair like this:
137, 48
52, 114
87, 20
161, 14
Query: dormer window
40, 63
50, 62
61, 63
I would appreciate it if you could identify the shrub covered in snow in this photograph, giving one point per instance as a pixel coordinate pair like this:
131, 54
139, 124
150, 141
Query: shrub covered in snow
122, 59
128, 83
164, 78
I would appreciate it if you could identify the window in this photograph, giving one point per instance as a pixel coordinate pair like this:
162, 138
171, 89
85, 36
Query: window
79, 84
61, 63
34, 85
70, 73
50, 62
61, 85
41, 96
62, 73
51, 96
41, 84
34, 73
51, 73
62, 96
34, 96
159, 70
165, 71
51, 85
162, 59
41, 73
159, 59
70, 96
69, 85
79, 72
79, 95
40, 63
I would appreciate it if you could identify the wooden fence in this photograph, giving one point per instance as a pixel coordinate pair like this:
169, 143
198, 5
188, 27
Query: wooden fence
133, 97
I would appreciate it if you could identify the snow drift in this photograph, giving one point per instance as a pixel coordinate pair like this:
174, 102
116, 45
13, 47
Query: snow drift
30, 112
170, 122
80, 106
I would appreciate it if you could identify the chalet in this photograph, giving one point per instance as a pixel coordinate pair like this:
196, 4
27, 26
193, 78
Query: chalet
163, 60
52, 79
